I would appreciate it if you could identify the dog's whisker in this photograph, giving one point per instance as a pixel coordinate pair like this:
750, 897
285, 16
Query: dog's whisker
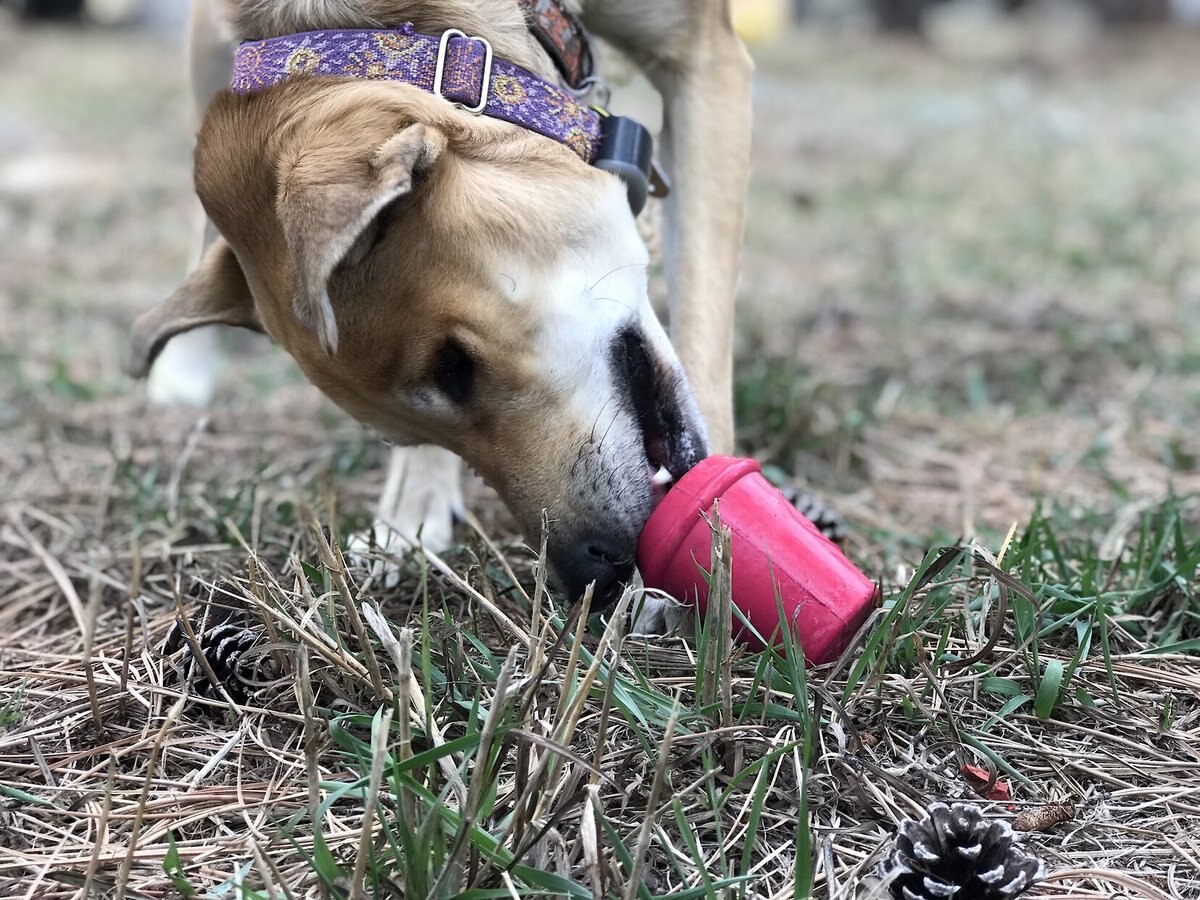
614, 272
620, 303
596, 421
604, 437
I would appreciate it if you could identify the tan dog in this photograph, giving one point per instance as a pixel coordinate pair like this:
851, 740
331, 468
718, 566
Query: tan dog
457, 281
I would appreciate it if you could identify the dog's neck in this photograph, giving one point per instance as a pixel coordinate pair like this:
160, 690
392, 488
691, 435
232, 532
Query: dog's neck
502, 22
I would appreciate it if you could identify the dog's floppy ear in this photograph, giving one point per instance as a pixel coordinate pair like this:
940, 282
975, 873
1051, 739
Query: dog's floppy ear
216, 293
328, 197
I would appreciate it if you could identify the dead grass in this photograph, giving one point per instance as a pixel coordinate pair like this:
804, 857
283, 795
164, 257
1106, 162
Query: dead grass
111, 751
979, 281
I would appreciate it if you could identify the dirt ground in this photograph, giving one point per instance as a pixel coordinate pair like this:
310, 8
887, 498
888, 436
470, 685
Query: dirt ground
971, 285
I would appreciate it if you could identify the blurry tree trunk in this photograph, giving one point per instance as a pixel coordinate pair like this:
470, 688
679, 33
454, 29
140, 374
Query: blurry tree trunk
902, 16
49, 9
909, 15
1125, 12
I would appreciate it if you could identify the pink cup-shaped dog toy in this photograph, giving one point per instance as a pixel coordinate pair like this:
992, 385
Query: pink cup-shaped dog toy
774, 551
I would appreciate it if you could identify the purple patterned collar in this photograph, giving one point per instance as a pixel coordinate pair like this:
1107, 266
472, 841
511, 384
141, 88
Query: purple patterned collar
459, 68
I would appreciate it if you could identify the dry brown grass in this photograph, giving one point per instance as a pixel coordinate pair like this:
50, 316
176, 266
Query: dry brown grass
111, 749
946, 389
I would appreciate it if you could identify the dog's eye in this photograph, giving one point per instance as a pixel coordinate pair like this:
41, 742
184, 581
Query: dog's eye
454, 372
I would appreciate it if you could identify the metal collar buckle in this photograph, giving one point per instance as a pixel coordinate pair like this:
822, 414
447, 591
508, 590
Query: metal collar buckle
439, 71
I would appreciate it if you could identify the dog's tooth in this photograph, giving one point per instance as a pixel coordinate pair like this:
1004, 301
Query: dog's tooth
662, 476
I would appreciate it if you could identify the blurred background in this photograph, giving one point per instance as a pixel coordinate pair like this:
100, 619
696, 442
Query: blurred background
970, 283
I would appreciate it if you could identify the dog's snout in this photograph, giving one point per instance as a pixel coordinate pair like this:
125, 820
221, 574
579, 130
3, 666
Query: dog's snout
632, 359
658, 397
594, 561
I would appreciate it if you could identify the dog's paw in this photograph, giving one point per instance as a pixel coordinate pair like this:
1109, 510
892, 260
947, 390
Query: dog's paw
185, 373
382, 549
421, 502
656, 616
379, 551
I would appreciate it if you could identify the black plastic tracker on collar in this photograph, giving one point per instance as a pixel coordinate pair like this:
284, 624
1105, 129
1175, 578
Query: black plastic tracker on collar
626, 150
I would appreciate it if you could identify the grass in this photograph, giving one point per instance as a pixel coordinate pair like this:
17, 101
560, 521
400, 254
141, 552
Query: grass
966, 322
460, 737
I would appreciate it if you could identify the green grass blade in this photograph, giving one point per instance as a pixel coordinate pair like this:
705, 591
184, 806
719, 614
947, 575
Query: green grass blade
1049, 687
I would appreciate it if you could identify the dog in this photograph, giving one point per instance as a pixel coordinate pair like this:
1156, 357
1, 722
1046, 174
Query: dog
470, 288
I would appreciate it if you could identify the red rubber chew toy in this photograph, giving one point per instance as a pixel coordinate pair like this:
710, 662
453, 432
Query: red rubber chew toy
774, 549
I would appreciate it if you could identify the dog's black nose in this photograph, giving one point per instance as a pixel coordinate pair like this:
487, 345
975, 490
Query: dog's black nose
594, 561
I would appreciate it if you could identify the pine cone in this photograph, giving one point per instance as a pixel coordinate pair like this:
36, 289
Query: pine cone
223, 646
954, 852
828, 522
223, 638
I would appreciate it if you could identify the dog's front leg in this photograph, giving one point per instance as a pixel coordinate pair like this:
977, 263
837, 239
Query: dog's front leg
185, 372
690, 52
707, 153
421, 498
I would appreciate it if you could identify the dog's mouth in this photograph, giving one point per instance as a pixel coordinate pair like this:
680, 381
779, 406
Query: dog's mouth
656, 397
658, 461
671, 440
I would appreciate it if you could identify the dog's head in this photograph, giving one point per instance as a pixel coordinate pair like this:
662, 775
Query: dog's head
452, 280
